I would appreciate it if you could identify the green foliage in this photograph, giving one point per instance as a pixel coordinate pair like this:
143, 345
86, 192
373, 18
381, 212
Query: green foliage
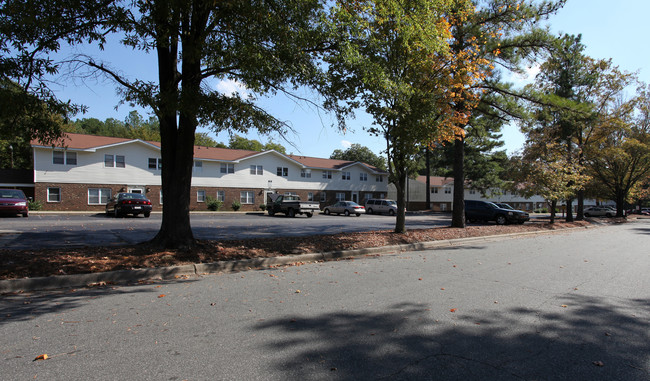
263, 207
239, 142
213, 204
359, 153
34, 205
236, 205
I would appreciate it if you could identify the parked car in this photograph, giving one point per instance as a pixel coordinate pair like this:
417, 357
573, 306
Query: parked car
13, 201
128, 203
381, 206
488, 211
599, 211
290, 205
345, 207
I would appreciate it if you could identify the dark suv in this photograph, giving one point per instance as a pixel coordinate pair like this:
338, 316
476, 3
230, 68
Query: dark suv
488, 211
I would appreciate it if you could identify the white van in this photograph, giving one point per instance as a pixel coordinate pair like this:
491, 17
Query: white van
381, 206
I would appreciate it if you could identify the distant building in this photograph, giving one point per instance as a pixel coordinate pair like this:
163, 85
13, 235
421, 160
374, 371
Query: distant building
84, 171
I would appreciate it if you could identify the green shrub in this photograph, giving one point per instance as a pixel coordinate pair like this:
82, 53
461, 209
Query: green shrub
236, 205
213, 204
34, 205
263, 207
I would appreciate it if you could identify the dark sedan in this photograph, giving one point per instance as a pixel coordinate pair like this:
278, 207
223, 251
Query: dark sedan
13, 201
128, 203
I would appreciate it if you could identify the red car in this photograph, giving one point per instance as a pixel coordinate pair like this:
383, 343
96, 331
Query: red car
13, 201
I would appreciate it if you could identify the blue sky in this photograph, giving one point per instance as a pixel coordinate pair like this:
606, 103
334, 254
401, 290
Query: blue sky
617, 30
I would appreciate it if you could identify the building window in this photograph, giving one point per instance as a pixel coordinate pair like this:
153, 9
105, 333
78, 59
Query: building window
310, 196
327, 174
472, 191
198, 167
53, 194
247, 197
227, 168
64, 157
200, 196
382, 195
283, 171
221, 196
340, 196
345, 175
447, 190
306, 173
434, 190
98, 196
155, 163
323, 196
116, 161
161, 198
257, 170
367, 196
379, 178
363, 176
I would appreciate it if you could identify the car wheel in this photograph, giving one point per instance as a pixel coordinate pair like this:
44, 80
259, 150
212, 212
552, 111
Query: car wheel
271, 212
326, 211
309, 215
608, 215
116, 212
292, 213
501, 220
347, 213
146, 215
26, 214
587, 215
358, 214
369, 211
391, 212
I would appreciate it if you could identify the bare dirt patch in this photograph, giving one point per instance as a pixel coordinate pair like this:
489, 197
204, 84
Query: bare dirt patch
46, 262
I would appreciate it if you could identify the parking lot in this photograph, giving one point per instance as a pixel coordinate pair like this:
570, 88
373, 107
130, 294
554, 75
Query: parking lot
42, 230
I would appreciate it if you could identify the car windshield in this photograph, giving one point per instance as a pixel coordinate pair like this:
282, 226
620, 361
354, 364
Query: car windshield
492, 205
506, 206
11, 193
391, 202
132, 196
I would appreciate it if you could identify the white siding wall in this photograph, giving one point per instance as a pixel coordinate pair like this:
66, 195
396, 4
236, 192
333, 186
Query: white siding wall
90, 167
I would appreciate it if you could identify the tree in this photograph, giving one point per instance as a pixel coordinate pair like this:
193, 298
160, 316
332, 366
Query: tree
619, 159
391, 55
501, 33
268, 47
357, 152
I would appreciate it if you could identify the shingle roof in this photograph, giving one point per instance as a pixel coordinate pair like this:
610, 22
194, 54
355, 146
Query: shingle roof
436, 180
89, 142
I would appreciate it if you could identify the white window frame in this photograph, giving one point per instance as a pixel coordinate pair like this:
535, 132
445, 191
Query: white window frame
197, 167
227, 168
379, 178
156, 161
116, 161
310, 196
323, 196
66, 157
103, 195
221, 196
306, 173
161, 197
447, 190
434, 190
200, 195
327, 174
367, 196
340, 196
345, 175
363, 176
282, 171
57, 194
257, 170
247, 197
472, 191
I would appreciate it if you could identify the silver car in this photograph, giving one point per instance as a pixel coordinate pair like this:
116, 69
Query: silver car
381, 206
345, 207
599, 211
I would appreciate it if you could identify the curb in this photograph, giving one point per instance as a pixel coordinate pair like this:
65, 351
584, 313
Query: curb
200, 269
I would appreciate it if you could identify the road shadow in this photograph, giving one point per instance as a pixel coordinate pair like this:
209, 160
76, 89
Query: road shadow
590, 339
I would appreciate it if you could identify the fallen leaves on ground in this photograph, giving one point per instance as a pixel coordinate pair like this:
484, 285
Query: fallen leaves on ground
46, 262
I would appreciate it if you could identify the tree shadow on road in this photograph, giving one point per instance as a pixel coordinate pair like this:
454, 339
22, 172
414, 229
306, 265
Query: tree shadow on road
588, 339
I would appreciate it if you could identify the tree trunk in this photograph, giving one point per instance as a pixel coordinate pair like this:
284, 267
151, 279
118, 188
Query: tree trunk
569, 210
620, 202
553, 206
458, 212
580, 213
428, 169
400, 222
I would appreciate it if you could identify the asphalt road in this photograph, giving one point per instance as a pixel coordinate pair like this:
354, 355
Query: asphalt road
70, 230
566, 306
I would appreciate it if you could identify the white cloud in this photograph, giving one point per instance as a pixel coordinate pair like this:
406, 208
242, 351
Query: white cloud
346, 144
527, 77
229, 88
